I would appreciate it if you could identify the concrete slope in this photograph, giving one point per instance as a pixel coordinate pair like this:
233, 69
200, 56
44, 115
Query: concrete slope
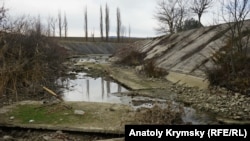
187, 52
78, 48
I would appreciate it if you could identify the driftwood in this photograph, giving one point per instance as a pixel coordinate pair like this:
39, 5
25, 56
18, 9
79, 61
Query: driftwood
56, 95
52, 93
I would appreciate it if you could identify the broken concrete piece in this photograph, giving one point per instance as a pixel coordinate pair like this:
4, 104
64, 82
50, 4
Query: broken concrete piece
79, 112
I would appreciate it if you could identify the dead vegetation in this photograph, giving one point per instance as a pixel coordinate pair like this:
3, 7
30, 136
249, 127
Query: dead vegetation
233, 76
169, 115
27, 62
131, 56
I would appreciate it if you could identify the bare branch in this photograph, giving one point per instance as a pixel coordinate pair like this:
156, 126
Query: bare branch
200, 6
170, 15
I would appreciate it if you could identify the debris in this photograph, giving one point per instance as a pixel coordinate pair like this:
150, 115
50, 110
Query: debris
52, 93
79, 112
12, 118
31, 121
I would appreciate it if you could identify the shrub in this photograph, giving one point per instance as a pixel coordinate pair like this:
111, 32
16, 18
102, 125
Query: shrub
232, 70
129, 56
27, 62
151, 70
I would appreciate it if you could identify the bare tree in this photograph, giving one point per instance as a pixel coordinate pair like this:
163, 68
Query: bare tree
93, 35
3, 17
234, 14
107, 22
48, 27
123, 32
170, 15
119, 23
52, 22
65, 24
38, 26
199, 7
20, 25
129, 32
101, 23
86, 23
60, 24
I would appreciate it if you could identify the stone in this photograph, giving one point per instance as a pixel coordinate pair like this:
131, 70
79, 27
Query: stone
79, 112
46, 138
31, 121
8, 138
59, 132
237, 95
12, 118
236, 117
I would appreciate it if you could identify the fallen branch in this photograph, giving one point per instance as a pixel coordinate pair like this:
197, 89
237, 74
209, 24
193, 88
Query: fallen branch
52, 93
57, 96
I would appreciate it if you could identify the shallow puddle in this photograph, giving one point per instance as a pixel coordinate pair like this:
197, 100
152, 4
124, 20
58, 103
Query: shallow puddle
85, 88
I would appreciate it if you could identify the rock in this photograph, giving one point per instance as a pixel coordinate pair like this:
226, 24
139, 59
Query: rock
237, 117
139, 69
240, 113
224, 96
12, 118
46, 138
8, 138
31, 121
79, 112
59, 132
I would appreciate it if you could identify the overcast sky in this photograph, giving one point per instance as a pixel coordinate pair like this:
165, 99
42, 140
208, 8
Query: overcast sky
136, 13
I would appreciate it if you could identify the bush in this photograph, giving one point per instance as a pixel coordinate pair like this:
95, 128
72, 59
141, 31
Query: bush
232, 70
129, 56
27, 62
151, 70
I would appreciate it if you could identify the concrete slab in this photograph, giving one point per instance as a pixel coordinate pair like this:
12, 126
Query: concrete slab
188, 80
98, 118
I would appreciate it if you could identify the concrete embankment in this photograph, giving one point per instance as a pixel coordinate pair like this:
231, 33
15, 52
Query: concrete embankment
187, 53
79, 48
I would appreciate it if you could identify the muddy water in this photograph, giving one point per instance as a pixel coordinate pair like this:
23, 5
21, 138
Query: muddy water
85, 88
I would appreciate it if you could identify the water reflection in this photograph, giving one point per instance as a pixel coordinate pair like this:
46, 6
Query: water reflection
84, 88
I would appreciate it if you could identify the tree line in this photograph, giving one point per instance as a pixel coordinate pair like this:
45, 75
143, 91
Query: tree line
62, 25
120, 30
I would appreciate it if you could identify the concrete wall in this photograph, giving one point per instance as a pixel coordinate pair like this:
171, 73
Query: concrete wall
78, 48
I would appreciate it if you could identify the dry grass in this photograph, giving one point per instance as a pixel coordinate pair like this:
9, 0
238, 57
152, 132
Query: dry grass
27, 62
171, 114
